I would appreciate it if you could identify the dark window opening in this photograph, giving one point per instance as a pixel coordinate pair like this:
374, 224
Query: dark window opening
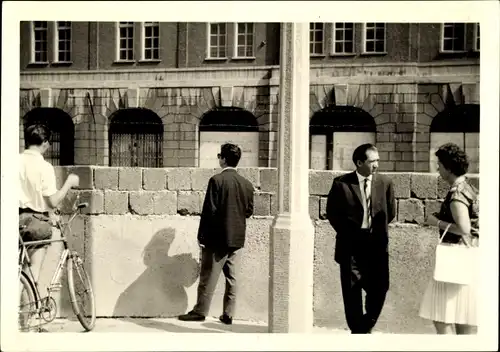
459, 118
228, 120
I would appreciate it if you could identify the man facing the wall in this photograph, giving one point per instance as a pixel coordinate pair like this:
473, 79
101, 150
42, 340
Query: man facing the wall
221, 234
360, 206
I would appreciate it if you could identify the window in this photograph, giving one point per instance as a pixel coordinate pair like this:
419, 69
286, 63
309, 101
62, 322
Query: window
217, 41
476, 37
125, 41
244, 40
151, 41
39, 42
316, 36
62, 42
453, 37
374, 41
343, 38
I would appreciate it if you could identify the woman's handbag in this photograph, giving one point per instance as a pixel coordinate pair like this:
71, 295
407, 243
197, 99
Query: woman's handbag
456, 263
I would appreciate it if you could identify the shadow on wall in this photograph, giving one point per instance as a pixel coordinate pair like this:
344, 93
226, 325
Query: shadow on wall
161, 290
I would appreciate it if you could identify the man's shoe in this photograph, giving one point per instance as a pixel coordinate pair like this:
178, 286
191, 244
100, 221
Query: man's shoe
226, 319
192, 316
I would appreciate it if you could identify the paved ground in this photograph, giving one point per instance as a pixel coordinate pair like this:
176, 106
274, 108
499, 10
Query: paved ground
210, 325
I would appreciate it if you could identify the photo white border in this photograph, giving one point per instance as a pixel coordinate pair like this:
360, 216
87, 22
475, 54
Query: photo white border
485, 12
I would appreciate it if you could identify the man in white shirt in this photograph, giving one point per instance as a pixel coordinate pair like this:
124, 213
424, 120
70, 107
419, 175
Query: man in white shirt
360, 206
38, 192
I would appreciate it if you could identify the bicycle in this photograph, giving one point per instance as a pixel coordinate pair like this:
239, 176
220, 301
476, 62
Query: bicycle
33, 305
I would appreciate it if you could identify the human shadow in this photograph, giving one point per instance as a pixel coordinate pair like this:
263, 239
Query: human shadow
238, 328
160, 291
170, 327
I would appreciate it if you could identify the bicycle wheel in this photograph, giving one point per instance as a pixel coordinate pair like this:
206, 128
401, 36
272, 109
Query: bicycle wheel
28, 303
80, 291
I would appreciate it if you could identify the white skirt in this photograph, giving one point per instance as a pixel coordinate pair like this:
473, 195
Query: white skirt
449, 303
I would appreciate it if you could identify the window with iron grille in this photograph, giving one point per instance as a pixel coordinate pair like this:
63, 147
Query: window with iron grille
476, 37
375, 41
39, 41
316, 38
151, 40
61, 150
63, 42
343, 38
136, 138
217, 42
453, 37
244, 40
125, 41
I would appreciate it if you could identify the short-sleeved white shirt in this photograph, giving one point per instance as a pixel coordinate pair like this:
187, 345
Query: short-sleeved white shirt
37, 179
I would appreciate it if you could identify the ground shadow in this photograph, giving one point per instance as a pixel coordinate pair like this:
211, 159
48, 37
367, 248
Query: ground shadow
238, 328
161, 290
161, 325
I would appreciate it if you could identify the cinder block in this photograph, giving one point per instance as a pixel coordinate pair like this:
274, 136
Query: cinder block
251, 174
95, 198
320, 182
322, 208
142, 202
410, 210
188, 202
423, 186
401, 183
115, 202
261, 204
200, 177
442, 187
165, 202
154, 179
179, 179
86, 175
314, 207
61, 174
66, 205
474, 180
129, 179
269, 180
274, 204
432, 206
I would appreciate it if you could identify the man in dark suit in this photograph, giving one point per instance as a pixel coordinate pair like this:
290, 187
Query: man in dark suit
360, 206
221, 234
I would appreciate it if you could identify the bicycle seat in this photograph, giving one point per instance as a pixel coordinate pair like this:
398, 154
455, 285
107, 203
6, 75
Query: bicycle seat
82, 205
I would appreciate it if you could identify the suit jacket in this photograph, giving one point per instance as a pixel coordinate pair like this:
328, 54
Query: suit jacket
345, 211
228, 203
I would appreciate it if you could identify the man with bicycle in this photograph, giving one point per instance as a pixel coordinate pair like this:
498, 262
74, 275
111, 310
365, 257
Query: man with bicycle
38, 193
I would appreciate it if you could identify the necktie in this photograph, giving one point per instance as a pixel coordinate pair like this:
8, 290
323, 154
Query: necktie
368, 204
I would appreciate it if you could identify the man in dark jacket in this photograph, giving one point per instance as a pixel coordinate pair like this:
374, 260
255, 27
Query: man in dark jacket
360, 206
221, 234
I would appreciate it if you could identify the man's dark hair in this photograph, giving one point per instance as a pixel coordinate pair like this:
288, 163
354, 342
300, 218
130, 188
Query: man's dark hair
360, 152
453, 159
36, 134
231, 153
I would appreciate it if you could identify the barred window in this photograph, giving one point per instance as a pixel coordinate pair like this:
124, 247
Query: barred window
316, 38
39, 41
125, 41
151, 41
375, 41
476, 37
453, 38
217, 45
63, 42
244, 40
343, 38
136, 138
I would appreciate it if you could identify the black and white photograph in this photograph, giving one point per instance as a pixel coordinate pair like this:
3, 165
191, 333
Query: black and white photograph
244, 172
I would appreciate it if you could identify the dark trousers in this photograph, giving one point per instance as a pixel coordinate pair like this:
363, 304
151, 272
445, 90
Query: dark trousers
212, 263
366, 268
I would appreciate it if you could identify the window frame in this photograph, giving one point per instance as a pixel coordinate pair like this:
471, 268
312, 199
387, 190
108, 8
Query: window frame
334, 28
32, 51
209, 33
441, 44
118, 38
236, 42
56, 43
365, 40
143, 41
477, 37
323, 46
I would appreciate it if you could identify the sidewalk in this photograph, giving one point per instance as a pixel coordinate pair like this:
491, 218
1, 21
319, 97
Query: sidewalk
210, 325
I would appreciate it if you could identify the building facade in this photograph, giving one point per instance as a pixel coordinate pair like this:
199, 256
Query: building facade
165, 94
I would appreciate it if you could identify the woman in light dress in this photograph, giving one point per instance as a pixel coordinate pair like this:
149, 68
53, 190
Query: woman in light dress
452, 307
